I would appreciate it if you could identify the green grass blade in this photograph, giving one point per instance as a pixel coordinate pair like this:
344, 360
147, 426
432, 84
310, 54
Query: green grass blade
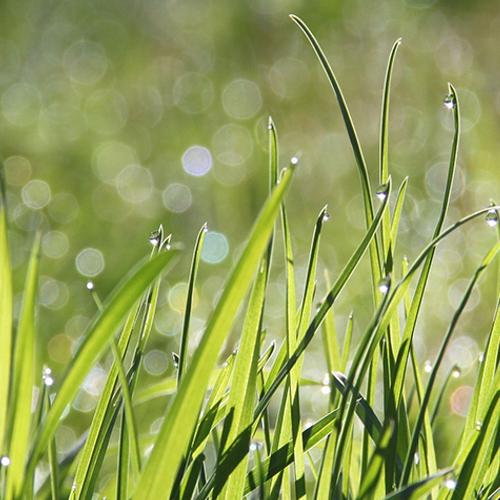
420, 489
183, 351
95, 342
432, 378
326, 304
6, 325
23, 381
374, 472
180, 419
237, 429
330, 343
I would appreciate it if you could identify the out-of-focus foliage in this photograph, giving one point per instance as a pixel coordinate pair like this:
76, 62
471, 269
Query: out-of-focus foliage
118, 116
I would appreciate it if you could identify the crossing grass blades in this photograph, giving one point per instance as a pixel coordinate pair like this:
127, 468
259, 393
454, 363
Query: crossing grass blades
221, 411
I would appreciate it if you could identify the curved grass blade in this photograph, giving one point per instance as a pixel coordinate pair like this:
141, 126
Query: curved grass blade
95, 341
432, 378
159, 472
20, 420
189, 303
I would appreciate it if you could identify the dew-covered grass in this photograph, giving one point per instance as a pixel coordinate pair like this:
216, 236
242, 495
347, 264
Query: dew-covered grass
256, 422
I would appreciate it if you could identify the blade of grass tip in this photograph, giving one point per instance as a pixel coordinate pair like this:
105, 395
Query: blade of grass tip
355, 144
432, 378
95, 341
180, 419
384, 119
305, 313
23, 381
230, 472
422, 282
327, 302
189, 302
107, 407
6, 324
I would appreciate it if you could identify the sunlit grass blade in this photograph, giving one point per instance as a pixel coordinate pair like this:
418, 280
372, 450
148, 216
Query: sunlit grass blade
52, 455
326, 304
180, 419
96, 340
420, 489
6, 325
412, 314
374, 472
452, 373
283, 457
432, 378
330, 342
230, 479
20, 399
183, 351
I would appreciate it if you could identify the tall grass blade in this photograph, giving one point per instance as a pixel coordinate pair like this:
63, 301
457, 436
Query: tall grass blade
23, 380
183, 351
180, 419
96, 340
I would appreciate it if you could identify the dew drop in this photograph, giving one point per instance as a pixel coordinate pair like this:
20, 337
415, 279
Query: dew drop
90, 285
480, 358
255, 445
168, 246
5, 461
456, 373
381, 192
154, 237
416, 458
205, 228
449, 101
294, 160
427, 366
73, 486
176, 359
326, 390
384, 284
47, 378
492, 218
326, 217
451, 484
479, 425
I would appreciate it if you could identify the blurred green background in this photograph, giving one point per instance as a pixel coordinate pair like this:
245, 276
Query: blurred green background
118, 116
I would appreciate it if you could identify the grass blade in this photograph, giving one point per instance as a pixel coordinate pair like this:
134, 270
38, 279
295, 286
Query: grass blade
180, 419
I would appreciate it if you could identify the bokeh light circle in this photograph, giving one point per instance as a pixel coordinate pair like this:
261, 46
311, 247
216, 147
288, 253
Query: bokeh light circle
63, 208
242, 99
36, 194
232, 144
197, 160
90, 262
55, 244
460, 400
135, 183
17, 170
85, 62
21, 104
177, 197
193, 93
110, 158
155, 362
106, 111
215, 248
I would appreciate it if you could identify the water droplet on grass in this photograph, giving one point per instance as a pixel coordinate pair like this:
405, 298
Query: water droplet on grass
384, 284
381, 192
492, 218
456, 373
449, 101
326, 217
47, 378
176, 359
479, 425
480, 358
5, 461
294, 160
451, 484
427, 366
90, 285
154, 237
